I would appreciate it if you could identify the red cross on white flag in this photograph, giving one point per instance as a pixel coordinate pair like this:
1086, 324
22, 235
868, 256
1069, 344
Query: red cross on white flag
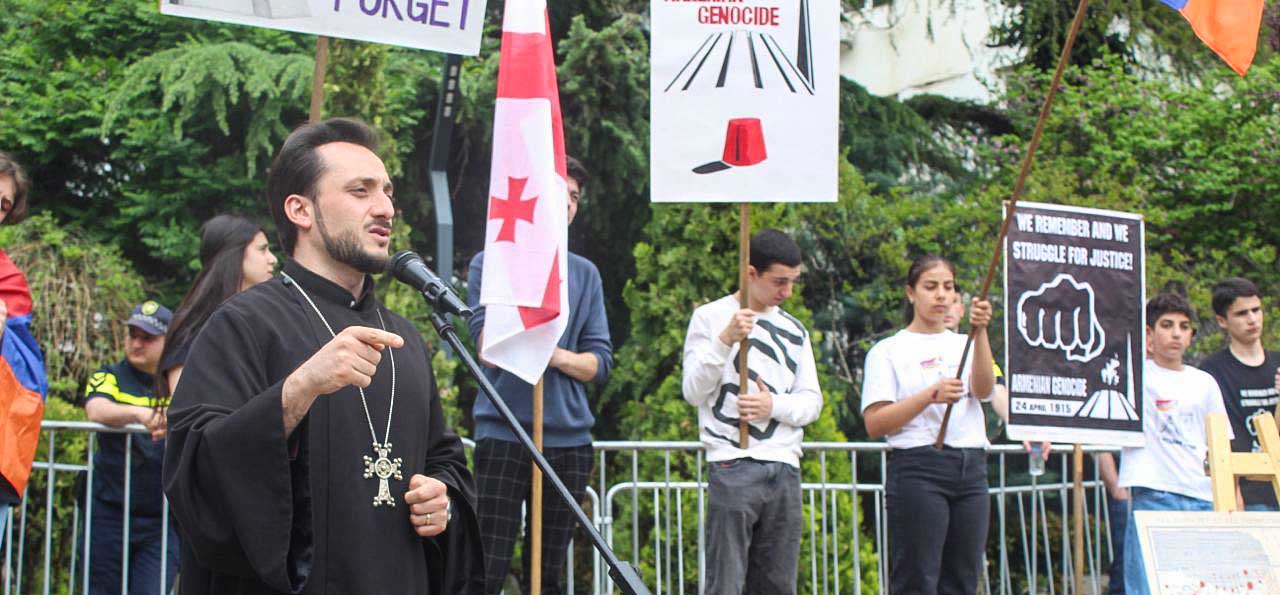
525, 292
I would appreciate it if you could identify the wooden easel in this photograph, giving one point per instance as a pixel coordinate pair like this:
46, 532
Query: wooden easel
1225, 467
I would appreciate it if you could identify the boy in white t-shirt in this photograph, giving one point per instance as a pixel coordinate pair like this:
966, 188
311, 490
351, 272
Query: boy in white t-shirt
1168, 473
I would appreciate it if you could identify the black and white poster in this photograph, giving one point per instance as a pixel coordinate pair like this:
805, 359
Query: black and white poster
744, 100
1075, 334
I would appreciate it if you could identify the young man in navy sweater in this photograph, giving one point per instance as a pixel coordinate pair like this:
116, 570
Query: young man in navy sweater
502, 466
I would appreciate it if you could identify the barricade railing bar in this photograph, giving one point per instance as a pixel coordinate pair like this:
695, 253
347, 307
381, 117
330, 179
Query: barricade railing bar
649, 499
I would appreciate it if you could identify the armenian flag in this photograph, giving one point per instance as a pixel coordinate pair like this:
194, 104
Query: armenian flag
23, 384
1228, 27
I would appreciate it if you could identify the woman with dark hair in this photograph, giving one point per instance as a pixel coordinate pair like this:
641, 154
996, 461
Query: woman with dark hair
937, 499
234, 256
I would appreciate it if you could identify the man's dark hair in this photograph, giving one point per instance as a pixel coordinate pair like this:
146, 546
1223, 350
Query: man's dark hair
771, 246
1227, 291
21, 185
298, 167
1169, 303
577, 171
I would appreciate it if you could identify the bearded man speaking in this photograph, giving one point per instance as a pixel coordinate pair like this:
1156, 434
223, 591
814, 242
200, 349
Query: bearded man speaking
308, 451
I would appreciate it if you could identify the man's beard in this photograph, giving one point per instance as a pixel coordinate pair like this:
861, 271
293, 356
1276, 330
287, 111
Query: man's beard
345, 248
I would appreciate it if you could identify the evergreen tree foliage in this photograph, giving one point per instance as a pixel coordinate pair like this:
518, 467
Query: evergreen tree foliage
203, 80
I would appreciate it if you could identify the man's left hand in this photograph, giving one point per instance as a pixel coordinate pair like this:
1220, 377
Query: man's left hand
756, 406
428, 500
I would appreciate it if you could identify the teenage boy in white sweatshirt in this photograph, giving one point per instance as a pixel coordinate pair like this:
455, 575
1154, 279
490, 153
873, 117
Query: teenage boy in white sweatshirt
753, 502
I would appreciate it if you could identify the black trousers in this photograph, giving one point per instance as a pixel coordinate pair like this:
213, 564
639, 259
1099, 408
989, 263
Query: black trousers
939, 511
504, 483
106, 554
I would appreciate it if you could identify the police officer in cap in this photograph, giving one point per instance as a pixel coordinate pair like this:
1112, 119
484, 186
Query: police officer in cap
118, 395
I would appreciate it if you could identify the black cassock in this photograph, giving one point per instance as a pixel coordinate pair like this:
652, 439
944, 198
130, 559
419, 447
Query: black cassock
260, 513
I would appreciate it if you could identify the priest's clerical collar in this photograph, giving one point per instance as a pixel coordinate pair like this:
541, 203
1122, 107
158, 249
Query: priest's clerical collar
328, 291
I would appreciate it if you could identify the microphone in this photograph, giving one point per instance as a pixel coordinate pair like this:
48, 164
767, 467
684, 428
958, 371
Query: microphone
409, 268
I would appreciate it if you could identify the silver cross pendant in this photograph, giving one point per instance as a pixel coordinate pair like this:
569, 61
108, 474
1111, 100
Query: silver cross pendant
385, 468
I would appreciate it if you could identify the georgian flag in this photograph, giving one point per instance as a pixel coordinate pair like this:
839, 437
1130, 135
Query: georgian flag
525, 292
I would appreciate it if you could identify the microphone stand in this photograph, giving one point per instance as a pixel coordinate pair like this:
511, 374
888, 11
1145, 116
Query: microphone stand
623, 574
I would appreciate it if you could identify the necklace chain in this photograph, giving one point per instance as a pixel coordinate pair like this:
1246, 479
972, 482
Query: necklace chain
390, 353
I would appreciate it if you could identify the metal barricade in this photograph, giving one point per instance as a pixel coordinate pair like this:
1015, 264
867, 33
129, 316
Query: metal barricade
58, 515
649, 500
653, 516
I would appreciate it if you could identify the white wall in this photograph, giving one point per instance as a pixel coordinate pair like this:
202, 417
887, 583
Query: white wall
911, 47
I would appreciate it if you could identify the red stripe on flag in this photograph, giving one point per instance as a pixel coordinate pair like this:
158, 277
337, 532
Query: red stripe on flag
550, 309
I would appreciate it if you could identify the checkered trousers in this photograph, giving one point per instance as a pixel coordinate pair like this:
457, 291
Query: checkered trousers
503, 481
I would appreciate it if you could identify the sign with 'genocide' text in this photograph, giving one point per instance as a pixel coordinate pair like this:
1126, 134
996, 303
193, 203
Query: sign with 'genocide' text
743, 100
1074, 324
452, 26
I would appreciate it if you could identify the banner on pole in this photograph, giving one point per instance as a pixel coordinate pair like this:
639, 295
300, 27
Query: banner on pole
1075, 335
743, 100
451, 26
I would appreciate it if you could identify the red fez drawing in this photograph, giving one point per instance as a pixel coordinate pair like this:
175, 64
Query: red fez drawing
743, 146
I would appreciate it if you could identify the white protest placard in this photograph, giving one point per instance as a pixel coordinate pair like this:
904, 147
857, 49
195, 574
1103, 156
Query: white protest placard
451, 26
1196, 553
1075, 291
743, 102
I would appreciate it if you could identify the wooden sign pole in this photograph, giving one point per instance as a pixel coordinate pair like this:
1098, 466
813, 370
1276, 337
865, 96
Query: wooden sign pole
1027, 160
1077, 468
535, 501
744, 292
1019, 184
317, 79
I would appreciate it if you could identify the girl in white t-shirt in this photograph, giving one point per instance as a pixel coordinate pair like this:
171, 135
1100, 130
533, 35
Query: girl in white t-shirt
937, 499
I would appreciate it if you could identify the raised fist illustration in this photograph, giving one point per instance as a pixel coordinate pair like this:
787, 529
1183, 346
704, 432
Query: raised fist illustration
1061, 315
